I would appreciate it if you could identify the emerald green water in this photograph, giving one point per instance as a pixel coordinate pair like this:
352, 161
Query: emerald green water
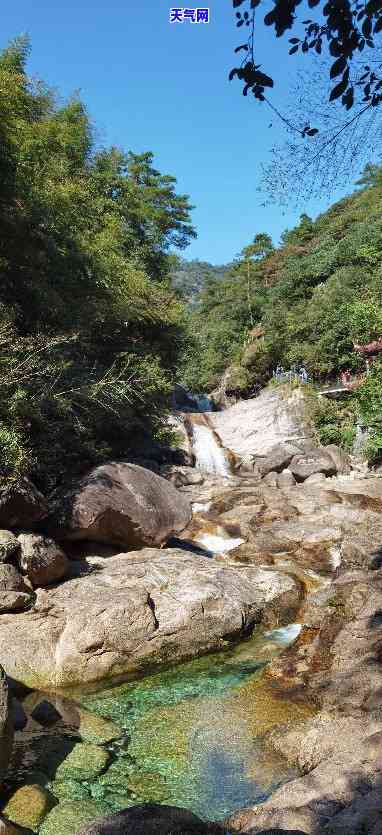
195, 733
190, 736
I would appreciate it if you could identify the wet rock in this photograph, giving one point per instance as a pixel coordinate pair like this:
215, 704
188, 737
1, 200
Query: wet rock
6, 725
41, 559
84, 762
90, 726
136, 609
152, 819
28, 806
121, 504
21, 504
45, 714
315, 461
9, 545
68, 817
19, 716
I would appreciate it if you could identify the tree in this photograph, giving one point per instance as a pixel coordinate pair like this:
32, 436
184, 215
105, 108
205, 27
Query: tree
344, 37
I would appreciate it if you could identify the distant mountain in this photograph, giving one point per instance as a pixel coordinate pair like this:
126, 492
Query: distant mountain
189, 277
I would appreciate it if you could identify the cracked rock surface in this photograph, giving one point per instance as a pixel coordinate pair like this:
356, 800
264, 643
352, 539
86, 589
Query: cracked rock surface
119, 613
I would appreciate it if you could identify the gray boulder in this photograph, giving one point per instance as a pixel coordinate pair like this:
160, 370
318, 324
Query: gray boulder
315, 461
121, 504
14, 593
276, 459
152, 819
340, 457
21, 504
41, 559
6, 725
148, 607
9, 545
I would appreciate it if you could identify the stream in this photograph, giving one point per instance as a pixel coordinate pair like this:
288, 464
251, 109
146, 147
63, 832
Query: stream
190, 736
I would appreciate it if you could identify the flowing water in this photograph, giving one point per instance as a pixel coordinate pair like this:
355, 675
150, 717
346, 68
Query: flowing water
190, 736
210, 457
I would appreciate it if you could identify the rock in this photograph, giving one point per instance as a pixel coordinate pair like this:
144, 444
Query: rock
68, 817
277, 458
19, 716
8, 828
14, 593
315, 461
152, 819
9, 545
315, 478
89, 726
254, 427
41, 559
340, 458
314, 802
182, 476
6, 725
285, 480
84, 762
14, 601
28, 806
271, 479
136, 610
121, 504
45, 714
21, 504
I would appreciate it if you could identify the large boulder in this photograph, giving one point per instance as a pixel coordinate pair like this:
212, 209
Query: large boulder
314, 461
21, 504
254, 427
41, 559
6, 725
121, 504
126, 612
152, 819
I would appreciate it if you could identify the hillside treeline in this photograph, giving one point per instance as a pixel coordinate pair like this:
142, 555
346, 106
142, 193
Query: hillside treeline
305, 302
90, 330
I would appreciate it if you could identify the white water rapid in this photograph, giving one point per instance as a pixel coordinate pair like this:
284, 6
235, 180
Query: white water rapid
209, 456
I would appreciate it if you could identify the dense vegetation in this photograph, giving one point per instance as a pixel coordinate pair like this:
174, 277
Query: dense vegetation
315, 295
189, 277
90, 328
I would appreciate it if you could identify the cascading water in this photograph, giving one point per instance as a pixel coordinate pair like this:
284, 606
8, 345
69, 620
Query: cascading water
210, 457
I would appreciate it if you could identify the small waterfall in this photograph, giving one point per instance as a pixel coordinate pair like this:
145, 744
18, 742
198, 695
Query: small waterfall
210, 457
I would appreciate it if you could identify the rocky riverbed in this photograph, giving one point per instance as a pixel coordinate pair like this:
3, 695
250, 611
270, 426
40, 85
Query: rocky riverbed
286, 542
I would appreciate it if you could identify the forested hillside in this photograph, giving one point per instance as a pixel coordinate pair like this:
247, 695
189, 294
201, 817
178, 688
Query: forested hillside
90, 329
189, 277
315, 295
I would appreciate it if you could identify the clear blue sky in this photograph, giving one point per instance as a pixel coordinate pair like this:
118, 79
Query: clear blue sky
149, 85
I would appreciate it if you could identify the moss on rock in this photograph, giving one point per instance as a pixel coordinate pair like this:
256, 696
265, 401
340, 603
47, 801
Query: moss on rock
84, 762
28, 806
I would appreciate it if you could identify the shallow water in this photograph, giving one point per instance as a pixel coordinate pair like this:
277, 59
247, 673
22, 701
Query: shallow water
190, 736
195, 731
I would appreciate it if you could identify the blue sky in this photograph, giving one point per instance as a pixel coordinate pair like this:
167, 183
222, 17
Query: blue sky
149, 85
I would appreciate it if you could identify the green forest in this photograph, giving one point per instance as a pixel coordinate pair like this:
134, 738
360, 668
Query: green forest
99, 318
311, 299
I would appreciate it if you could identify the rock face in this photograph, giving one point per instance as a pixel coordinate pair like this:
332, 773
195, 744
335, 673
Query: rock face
127, 611
121, 504
253, 427
21, 504
41, 559
6, 725
276, 459
152, 819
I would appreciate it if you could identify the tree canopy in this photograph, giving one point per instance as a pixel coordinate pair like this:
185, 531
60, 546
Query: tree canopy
89, 327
